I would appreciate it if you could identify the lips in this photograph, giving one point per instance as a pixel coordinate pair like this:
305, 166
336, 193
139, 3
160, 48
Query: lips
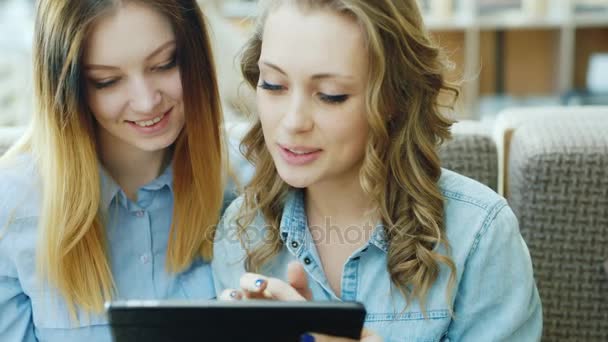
300, 150
154, 125
299, 155
150, 122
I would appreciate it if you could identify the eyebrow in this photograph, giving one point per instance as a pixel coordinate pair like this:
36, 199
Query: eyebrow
158, 50
314, 77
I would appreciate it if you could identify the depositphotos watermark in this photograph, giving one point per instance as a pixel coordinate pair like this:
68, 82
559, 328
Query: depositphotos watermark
327, 233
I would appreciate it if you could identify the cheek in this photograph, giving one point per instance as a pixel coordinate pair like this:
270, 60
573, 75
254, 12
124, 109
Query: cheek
268, 112
261, 101
360, 131
350, 133
106, 107
173, 86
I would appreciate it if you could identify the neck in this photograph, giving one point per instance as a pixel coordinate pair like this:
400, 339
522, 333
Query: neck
129, 166
343, 202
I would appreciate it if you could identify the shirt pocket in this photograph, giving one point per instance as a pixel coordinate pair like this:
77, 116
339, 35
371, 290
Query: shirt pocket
410, 326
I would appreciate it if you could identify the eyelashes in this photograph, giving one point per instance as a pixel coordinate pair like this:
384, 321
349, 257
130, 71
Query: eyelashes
102, 85
333, 98
171, 64
329, 99
271, 87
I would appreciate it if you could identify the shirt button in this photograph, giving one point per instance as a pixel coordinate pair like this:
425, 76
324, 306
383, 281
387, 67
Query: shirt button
145, 258
307, 261
294, 244
139, 213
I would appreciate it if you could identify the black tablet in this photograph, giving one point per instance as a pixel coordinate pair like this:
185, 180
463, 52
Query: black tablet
253, 320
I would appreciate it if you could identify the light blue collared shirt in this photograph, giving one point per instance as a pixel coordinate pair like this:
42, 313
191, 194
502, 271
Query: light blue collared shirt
137, 234
495, 298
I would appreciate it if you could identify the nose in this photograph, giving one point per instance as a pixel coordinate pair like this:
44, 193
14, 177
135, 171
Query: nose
298, 117
144, 96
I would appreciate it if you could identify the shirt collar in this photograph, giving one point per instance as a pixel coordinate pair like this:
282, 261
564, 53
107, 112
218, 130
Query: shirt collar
165, 179
379, 238
109, 187
294, 224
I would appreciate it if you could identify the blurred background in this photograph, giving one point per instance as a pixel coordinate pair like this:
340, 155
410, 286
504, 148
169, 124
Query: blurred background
533, 125
512, 53
508, 53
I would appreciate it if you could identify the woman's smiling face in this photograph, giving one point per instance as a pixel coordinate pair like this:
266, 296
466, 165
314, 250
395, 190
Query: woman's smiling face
134, 86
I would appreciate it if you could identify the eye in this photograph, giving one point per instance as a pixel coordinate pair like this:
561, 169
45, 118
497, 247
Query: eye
333, 99
167, 66
270, 87
104, 84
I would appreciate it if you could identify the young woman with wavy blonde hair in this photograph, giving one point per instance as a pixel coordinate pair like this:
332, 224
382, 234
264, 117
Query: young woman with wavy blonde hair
348, 183
116, 189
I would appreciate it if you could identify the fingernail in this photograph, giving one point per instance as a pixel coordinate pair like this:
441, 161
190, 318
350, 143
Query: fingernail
259, 283
307, 338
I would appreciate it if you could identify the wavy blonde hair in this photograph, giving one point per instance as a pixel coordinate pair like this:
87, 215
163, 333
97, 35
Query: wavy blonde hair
72, 251
401, 167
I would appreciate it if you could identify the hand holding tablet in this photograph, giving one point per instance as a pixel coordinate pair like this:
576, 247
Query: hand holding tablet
256, 286
275, 311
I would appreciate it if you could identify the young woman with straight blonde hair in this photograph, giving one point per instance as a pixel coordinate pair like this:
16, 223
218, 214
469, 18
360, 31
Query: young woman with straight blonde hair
348, 183
116, 188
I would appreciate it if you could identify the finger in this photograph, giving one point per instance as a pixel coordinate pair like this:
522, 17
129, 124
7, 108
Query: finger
281, 290
254, 286
258, 286
298, 279
366, 336
230, 294
311, 337
370, 336
257, 295
253, 283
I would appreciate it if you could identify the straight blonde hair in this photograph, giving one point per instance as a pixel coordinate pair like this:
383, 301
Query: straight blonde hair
401, 167
72, 250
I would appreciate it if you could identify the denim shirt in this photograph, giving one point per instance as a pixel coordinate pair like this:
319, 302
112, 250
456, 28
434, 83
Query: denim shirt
495, 297
137, 235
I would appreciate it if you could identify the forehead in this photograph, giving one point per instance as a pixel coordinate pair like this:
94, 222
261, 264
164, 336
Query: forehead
311, 39
133, 29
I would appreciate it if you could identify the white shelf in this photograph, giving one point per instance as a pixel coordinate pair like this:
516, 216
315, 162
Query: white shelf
515, 21
451, 24
519, 22
591, 20
553, 14
557, 15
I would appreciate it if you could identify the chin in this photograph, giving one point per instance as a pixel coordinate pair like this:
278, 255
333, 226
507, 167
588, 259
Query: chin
155, 146
295, 184
294, 179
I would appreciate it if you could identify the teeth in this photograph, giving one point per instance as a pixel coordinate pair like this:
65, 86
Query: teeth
149, 122
298, 152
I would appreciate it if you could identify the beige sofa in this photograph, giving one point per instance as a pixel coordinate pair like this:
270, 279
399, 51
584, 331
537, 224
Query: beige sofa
557, 171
